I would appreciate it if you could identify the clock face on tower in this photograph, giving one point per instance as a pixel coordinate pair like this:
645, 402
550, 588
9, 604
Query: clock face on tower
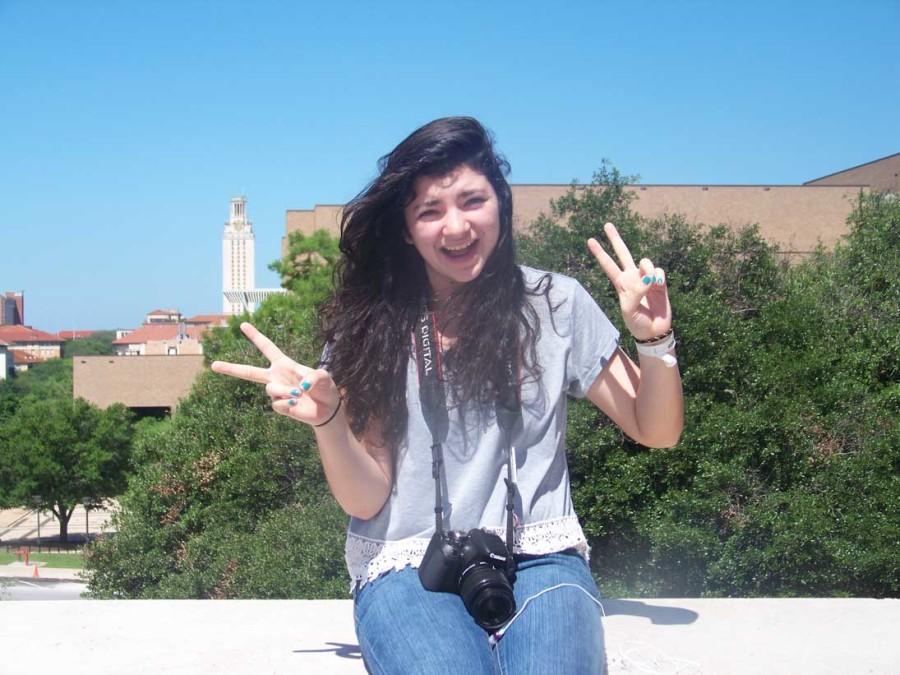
238, 226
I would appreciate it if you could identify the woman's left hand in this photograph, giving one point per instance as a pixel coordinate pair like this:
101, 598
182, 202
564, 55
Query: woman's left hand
643, 296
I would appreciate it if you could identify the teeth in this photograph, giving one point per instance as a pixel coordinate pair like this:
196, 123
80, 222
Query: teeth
459, 248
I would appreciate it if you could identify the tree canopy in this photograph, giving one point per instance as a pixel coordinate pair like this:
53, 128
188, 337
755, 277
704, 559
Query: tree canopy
98, 343
55, 453
48, 380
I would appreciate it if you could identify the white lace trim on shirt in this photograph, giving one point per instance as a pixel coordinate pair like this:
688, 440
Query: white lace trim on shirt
368, 559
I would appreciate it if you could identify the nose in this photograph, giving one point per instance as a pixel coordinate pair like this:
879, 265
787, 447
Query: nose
455, 224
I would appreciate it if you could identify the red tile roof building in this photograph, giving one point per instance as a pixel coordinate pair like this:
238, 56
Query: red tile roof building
28, 345
23, 359
170, 339
75, 334
163, 316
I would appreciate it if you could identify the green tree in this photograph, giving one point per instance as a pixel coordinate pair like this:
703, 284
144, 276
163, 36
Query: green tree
307, 266
230, 499
785, 480
98, 343
49, 380
54, 453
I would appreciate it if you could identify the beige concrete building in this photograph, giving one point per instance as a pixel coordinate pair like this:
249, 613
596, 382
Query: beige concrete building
796, 217
169, 355
881, 174
149, 383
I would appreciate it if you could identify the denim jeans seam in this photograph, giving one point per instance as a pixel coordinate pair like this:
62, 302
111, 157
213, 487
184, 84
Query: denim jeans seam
371, 658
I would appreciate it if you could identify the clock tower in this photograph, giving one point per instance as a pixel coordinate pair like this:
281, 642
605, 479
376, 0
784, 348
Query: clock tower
237, 254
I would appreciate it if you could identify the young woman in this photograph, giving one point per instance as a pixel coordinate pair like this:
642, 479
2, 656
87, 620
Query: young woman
429, 243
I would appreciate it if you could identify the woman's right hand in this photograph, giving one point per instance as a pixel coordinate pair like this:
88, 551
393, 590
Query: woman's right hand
304, 393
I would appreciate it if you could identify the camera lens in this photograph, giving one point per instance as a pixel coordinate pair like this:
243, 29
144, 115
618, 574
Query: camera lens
488, 596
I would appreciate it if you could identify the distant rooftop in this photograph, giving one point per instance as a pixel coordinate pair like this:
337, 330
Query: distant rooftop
18, 334
150, 332
75, 334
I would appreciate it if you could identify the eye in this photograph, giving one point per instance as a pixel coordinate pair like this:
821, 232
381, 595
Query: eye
475, 201
430, 213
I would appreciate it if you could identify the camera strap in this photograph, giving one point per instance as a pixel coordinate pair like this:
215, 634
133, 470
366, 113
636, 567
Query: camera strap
433, 400
434, 409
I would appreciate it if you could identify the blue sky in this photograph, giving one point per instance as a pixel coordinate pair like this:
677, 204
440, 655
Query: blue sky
125, 127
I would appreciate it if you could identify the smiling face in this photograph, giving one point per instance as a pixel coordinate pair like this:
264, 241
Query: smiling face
454, 223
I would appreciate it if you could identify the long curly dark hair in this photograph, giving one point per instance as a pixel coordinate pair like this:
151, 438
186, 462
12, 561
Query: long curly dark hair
381, 285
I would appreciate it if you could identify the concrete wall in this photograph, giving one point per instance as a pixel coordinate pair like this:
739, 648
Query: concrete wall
220, 637
796, 217
136, 381
881, 174
321, 217
181, 347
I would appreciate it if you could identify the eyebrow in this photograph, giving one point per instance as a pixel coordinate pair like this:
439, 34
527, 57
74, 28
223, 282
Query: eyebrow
464, 194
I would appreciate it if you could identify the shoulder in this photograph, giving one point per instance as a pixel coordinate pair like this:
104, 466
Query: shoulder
559, 288
534, 276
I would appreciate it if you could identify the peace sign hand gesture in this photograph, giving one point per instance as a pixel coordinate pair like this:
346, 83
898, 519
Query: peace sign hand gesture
642, 292
296, 390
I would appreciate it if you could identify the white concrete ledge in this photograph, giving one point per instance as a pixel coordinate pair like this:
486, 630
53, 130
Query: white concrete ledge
684, 636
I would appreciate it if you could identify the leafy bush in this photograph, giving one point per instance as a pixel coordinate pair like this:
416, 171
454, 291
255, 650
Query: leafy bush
786, 478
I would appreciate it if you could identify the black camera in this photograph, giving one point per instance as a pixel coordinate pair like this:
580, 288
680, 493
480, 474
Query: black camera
476, 566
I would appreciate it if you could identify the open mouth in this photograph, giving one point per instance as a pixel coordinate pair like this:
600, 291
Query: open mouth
462, 251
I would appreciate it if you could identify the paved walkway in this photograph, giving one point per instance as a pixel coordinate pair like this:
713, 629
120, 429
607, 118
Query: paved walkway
16, 524
226, 637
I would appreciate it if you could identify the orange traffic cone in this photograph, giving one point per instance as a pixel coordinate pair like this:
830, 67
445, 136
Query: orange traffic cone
35, 573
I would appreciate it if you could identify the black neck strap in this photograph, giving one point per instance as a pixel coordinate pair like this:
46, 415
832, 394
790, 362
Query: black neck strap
434, 409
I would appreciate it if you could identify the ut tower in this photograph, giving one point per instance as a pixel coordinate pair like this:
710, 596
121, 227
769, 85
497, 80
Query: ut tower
237, 254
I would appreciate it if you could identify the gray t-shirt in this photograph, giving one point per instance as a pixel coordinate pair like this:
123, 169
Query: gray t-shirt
574, 347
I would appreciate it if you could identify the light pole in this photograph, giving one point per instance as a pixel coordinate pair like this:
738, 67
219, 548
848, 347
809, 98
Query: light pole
36, 500
87, 502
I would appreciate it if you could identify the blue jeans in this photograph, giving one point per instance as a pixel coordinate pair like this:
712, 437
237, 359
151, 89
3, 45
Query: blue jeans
402, 628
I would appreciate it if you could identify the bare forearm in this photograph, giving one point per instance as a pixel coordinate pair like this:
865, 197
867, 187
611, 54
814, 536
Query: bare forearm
359, 483
659, 404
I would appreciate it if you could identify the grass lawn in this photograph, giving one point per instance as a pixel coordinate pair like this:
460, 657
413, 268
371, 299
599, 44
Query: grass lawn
67, 560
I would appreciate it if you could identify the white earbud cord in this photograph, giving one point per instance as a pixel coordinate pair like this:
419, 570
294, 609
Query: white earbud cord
626, 659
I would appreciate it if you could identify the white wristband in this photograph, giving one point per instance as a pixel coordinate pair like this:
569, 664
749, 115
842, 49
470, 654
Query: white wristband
660, 350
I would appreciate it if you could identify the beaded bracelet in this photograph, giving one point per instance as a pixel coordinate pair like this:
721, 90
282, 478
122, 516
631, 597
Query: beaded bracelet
656, 338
